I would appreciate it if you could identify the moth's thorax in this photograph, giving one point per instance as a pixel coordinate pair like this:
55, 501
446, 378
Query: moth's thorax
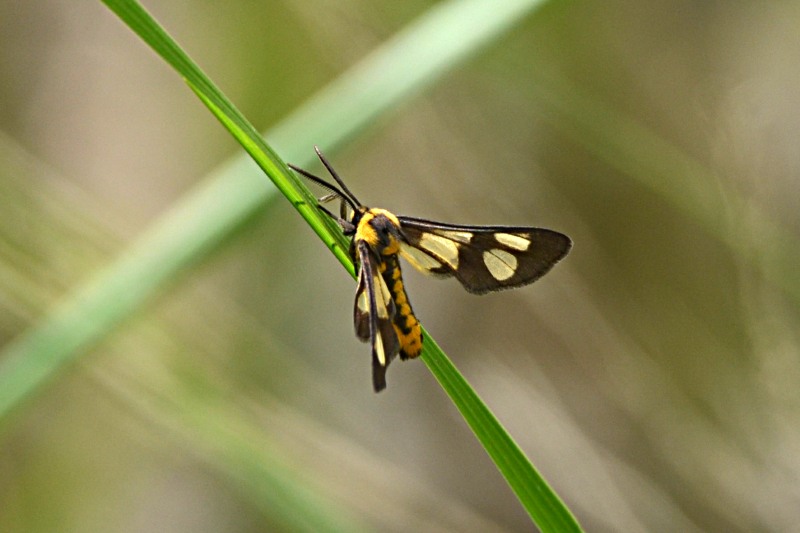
380, 229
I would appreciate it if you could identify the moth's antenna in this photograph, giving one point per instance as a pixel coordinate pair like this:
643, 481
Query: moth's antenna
336, 176
325, 185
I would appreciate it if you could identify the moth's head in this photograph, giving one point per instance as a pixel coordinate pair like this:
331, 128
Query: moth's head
380, 229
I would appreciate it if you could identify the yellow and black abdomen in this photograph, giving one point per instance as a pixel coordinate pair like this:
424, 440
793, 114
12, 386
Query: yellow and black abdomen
380, 231
406, 325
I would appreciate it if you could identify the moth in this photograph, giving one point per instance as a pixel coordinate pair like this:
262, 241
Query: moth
482, 258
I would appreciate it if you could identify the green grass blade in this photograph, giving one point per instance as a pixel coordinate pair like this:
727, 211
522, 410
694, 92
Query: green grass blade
540, 501
449, 33
182, 236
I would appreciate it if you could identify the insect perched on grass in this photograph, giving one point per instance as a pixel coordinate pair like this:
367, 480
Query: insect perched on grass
483, 258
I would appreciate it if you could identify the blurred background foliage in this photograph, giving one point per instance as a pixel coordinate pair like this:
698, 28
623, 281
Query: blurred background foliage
652, 377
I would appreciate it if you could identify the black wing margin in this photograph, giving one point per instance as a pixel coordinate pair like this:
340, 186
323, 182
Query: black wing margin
482, 258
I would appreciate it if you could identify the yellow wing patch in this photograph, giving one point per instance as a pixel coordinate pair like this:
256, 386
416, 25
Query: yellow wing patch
441, 247
501, 264
419, 259
513, 241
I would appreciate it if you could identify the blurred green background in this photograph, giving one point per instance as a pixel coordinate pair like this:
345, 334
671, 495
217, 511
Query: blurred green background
652, 377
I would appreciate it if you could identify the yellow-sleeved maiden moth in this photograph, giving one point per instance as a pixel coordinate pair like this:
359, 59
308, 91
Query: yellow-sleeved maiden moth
483, 258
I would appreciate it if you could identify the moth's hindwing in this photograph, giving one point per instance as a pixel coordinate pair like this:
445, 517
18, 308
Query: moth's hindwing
373, 315
482, 258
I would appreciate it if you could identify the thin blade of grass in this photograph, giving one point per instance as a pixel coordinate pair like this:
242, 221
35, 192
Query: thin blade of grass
540, 501
190, 231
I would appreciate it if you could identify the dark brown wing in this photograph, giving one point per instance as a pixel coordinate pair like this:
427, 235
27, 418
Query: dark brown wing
482, 258
373, 316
